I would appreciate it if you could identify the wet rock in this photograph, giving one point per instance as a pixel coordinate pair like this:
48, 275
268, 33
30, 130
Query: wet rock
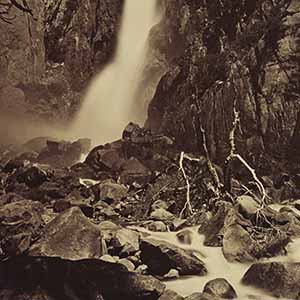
172, 274
161, 257
280, 279
21, 224
239, 246
86, 279
247, 206
33, 176
213, 230
61, 205
109, 192
220, 287
10, 198
127, 263
133, 171
105, 159
161, 215
170, 295
185, 237
125, 242
108, 230
71, 236
156, 226
61, 153
202, 296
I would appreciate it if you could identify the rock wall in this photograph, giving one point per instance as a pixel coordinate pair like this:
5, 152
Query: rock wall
243, 52
46, 60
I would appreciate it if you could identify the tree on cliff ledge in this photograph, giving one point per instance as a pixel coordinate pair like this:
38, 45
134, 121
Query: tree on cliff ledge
6, 6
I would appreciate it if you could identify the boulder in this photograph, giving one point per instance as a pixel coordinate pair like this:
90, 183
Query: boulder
202, 296
125, 242
156, 226
185, 237
280, 279
109, 192
87, 279
170, 295
108, 230
239, 246
33, 176
161, 214
70, 236
247, 206
161, 257
220, 287
133, 170
21, 224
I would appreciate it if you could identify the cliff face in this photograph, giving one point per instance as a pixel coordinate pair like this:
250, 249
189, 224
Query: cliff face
46, 60
243, 52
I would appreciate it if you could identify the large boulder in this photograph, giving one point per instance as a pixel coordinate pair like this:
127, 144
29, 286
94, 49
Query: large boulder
220, 287
70, 236
170, 295
85, 279
280, 279
21, 224
161, 257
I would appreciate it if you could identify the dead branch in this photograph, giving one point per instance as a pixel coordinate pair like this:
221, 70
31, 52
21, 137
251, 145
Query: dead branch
188, 187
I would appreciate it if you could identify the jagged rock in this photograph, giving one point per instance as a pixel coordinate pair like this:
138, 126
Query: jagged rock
133, 170
161, 257
86, 279
127, 263
239, 246
70, 236
105, 159
108, 258
21, 224
185, 237
172, 274
61, 153
10, 198
125, 242
213, 230
109, 192
161, 215
220, 287
170, 295
280, 279
108, 230
202, 296
247, 206
33, 176
156, 226
61, 205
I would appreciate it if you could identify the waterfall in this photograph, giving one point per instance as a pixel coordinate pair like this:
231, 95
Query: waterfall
108, 105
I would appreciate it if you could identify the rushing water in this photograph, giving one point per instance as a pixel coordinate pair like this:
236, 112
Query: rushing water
219, 267
108, 103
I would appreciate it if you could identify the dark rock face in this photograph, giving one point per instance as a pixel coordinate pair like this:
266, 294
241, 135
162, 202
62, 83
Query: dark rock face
161, 257
85, 279
48, 59
21, 224
281, 279
70, 236
82, 35
230, 58
220, 287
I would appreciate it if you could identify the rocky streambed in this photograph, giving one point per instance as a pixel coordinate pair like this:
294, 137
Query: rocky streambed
117, 225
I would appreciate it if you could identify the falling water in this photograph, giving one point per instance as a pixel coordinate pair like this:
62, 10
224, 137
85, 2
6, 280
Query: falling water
108, 105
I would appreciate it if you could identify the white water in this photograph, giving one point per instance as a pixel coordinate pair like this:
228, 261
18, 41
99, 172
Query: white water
218, 267
108, 106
